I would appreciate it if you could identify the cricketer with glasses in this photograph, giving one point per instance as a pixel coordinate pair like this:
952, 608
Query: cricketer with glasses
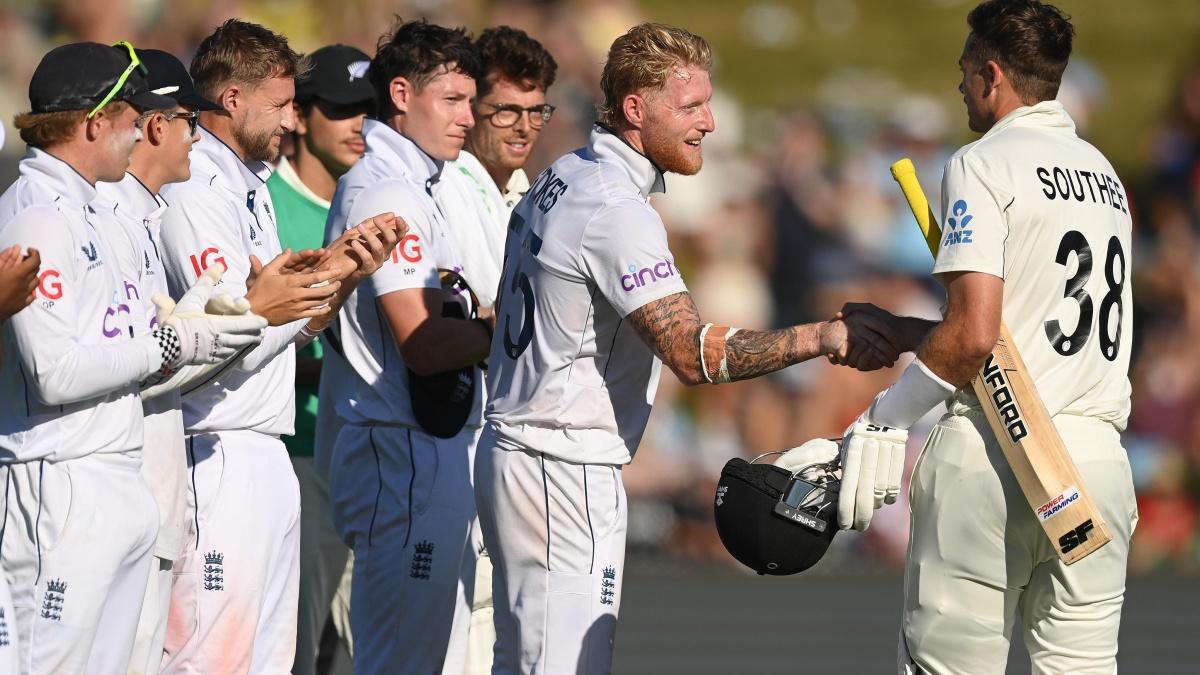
477, 194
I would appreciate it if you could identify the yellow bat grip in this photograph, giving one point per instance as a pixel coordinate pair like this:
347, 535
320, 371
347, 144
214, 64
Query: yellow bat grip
906, 175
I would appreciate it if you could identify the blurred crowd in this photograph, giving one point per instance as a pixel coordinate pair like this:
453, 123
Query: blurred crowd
794, 214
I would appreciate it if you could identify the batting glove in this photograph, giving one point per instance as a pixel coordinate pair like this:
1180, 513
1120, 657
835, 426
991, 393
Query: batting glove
189, 335
872, 464
816, 451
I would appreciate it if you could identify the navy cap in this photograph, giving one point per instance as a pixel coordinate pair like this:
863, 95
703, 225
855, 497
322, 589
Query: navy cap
338, 75
79, 75
169, 77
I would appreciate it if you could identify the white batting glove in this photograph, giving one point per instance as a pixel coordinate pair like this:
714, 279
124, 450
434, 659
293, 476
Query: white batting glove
201, 337
872, 464
223, 304
816, 451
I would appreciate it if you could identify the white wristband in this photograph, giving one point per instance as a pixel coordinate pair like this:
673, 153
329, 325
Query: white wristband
916, 392
723, 369
703, 364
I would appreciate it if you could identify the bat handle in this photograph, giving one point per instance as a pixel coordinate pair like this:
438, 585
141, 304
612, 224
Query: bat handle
905, 175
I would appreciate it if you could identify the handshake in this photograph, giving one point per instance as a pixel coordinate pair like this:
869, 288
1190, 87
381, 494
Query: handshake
866, 337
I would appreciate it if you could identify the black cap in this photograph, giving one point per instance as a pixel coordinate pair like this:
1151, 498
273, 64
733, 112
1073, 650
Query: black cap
168, 77
79, 75
338, 75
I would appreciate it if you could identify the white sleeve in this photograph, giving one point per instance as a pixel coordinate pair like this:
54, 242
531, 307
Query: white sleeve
414, 261
199, 231
625, 253
974, 222
60, 369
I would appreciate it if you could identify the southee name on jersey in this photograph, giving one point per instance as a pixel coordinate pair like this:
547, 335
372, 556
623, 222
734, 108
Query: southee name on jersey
1077, 184
664, 269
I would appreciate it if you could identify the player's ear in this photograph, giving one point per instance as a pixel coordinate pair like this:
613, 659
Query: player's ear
993, 75
231, 98
401, 91
154, 129
633, 106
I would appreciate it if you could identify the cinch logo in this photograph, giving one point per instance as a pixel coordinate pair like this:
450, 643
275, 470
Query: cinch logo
1055, 506
647, 275
116, 309
958, 233
207, 257
409, 248
50, 285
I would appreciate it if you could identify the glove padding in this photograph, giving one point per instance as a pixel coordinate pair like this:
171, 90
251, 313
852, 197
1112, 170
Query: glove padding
208, 336
872, 464
816, 451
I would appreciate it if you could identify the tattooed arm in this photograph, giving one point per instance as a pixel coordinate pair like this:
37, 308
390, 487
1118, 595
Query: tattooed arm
671, 327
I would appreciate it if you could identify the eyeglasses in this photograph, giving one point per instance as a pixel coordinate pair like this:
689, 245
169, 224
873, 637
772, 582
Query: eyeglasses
134, 63
193, 119
507, 114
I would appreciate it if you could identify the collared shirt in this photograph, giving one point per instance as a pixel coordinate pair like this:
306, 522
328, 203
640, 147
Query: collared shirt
568, 376
72, 360
1034, 204
223, 215
478, 215
135, 216
393, 175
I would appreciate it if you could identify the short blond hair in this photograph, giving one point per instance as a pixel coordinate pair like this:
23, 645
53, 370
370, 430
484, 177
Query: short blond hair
245, 53
643, 58
44, 130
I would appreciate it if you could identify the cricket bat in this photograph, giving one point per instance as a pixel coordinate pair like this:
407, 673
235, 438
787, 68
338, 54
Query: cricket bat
1035, 452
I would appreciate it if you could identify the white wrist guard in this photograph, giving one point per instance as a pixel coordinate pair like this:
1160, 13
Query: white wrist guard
916, 392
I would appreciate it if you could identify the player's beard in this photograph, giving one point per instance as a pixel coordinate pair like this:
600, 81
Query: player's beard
668, 153
256, 144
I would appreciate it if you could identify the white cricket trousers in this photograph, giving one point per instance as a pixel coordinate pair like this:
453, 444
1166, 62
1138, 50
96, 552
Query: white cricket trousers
77, 548
402, 501
555, 532
9, 648
235, 591
147, 654
978, 557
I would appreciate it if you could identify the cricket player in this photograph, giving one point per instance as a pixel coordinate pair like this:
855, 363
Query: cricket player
590, 302
80, 520
1037, 232
400, 481
332, 99
477, 194
234, 598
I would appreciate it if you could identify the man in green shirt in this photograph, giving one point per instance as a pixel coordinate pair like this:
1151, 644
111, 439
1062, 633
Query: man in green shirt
331, 102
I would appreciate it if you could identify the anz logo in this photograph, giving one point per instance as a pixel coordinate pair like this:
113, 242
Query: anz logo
957, 223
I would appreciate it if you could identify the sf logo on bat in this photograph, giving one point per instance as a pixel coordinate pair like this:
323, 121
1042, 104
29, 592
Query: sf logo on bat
1076, 537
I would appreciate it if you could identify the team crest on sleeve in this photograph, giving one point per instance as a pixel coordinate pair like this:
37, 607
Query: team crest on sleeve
422, 560
214, 571
957, 231
608, 586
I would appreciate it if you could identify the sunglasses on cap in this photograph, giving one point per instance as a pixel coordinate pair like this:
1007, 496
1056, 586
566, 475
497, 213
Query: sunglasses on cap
134, 64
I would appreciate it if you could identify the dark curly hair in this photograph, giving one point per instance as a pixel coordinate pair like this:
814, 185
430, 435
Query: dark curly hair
417, 51
1030, 40
510, 54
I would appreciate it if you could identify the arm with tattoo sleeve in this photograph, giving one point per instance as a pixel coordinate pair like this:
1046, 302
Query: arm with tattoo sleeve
671, 328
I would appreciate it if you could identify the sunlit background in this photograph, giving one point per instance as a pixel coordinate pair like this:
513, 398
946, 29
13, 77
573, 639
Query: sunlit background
795, 213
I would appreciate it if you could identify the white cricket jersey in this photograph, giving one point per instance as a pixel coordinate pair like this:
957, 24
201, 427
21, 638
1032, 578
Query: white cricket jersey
223, 214
71, 360
1034, 204
135, 218
568, 376
477, 213
397, 176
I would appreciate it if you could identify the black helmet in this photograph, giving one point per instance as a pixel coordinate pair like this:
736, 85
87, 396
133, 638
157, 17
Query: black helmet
775, 521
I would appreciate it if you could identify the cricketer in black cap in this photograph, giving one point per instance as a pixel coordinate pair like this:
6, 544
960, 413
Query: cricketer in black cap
86, 85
